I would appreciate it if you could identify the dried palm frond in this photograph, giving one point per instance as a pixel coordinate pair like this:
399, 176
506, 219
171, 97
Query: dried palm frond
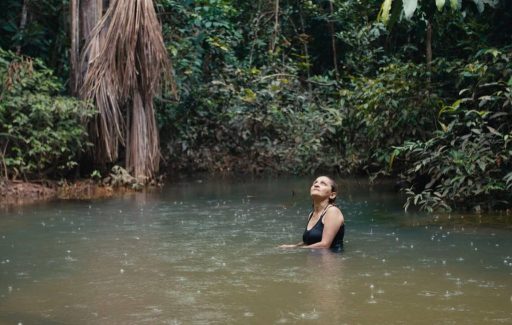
126, 57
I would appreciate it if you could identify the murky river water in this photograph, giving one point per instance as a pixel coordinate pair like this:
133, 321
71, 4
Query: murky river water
204, 252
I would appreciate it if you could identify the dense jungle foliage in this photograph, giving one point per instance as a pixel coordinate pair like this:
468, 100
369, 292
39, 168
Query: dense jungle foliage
300, 87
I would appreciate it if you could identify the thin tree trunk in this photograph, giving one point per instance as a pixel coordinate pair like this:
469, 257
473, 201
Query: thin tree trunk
75, 45
333, 41
23, 22
305, 40
275, 33
429, 49
255, 30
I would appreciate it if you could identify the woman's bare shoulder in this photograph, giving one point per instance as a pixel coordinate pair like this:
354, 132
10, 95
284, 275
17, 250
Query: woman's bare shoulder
334, 211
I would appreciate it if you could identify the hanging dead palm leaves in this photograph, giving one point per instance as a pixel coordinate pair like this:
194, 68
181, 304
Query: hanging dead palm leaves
123, 63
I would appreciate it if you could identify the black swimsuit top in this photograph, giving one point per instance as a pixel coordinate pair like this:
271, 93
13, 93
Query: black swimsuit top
314, 235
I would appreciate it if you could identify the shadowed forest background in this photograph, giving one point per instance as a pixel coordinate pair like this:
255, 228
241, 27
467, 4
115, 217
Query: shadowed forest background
417, 90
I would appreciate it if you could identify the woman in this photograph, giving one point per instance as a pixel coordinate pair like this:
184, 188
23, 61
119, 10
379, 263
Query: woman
326, 225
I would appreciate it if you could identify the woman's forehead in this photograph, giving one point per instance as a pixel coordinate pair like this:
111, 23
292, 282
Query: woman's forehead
323, 179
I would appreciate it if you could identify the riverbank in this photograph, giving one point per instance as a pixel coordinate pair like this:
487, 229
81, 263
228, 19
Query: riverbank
21, 193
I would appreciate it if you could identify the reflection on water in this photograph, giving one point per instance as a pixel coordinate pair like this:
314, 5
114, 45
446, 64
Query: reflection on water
205, 252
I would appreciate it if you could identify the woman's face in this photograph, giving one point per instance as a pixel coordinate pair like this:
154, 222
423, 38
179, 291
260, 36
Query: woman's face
322, 188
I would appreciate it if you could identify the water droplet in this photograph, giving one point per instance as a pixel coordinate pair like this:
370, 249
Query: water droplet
121, 271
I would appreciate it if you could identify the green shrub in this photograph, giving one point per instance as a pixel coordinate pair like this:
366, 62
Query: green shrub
41, 132
386, 110
468, 162
249, 120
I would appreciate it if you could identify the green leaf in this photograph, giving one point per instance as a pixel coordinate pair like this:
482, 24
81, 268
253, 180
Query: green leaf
384, 11
409, 7
455, 4
440, 4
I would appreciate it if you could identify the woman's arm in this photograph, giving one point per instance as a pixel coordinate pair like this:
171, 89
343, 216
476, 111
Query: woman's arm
292, 245
333, 220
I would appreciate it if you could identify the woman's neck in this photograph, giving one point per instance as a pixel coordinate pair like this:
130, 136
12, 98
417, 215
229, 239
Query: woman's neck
320, 206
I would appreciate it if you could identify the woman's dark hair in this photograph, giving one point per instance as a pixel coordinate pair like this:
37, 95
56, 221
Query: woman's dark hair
334, 188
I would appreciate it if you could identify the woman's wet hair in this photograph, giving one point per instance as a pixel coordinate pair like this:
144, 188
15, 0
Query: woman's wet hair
334, 188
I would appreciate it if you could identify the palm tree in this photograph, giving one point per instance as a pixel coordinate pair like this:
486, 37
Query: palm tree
120, 70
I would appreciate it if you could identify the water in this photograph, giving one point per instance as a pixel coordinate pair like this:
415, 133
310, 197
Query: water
205, 252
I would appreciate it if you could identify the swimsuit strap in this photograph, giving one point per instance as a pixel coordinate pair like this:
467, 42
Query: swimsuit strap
321, 215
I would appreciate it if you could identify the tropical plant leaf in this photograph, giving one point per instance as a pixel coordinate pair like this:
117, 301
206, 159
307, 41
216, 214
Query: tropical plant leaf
440, 4
409, 8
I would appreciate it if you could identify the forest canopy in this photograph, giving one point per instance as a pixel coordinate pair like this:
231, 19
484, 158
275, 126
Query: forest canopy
419, 91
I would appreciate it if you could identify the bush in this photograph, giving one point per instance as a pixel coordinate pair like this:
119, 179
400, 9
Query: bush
248, 120
386, 110
41, 132
468, 162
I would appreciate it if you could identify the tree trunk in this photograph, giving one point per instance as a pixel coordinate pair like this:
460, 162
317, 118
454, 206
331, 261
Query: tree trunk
275, 33
74, 54
85, 15
333, 40
429, 50
305, 39
23, 23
